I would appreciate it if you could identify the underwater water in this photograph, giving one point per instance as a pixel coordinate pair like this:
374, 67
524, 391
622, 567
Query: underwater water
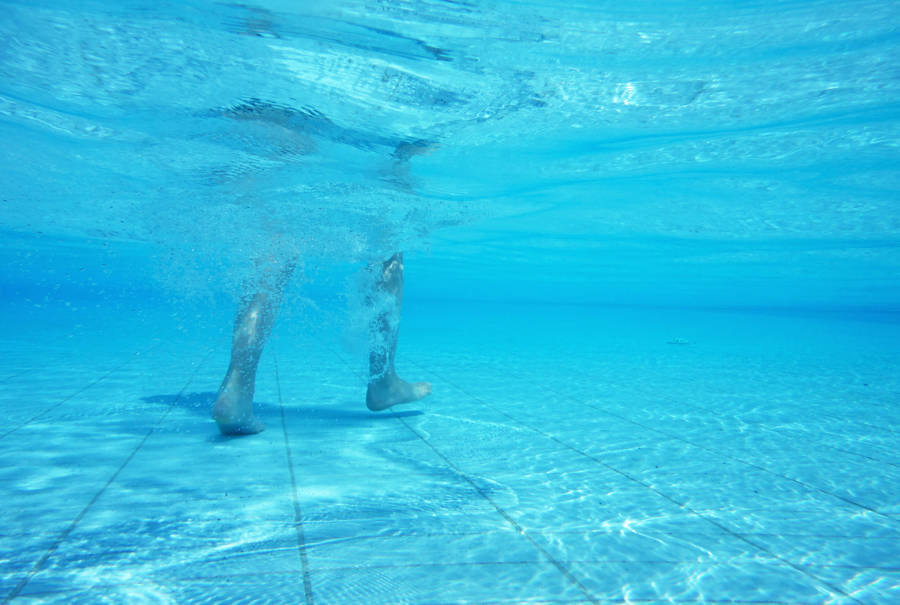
652, 273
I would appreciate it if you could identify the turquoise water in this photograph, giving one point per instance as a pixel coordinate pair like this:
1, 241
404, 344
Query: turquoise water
652, 272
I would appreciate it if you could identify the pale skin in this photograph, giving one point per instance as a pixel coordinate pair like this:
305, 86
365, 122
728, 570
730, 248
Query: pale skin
233, 409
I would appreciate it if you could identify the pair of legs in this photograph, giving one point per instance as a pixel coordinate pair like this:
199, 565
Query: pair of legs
233, 409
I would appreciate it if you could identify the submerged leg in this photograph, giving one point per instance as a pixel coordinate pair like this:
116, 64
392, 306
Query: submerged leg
385, 387
233, 409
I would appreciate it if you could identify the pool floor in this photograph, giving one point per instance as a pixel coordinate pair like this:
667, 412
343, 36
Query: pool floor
567, 455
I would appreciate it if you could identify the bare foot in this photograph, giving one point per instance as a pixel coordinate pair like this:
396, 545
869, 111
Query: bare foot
233, 412
390, 390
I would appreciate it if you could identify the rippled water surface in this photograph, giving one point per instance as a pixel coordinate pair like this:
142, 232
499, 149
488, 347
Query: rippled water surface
755, 140
653, 272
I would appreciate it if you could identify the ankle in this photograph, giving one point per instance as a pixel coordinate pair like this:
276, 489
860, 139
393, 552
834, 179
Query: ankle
384, 378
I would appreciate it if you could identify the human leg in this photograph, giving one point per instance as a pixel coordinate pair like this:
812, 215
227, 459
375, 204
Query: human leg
385, 388
233, 409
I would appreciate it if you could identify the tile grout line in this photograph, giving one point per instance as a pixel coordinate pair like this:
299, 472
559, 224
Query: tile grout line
566, 532
821, 414
691, 443
888, 429
11, 376
602, 600
760, 426
79, 391
559, 565
566, 573
71, 527
652, 489
536, 561
298, 517
877, 460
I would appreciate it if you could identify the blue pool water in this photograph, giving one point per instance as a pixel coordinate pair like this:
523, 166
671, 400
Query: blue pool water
652, 272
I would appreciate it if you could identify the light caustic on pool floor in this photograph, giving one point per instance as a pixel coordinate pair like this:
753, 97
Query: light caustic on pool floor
506, 486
